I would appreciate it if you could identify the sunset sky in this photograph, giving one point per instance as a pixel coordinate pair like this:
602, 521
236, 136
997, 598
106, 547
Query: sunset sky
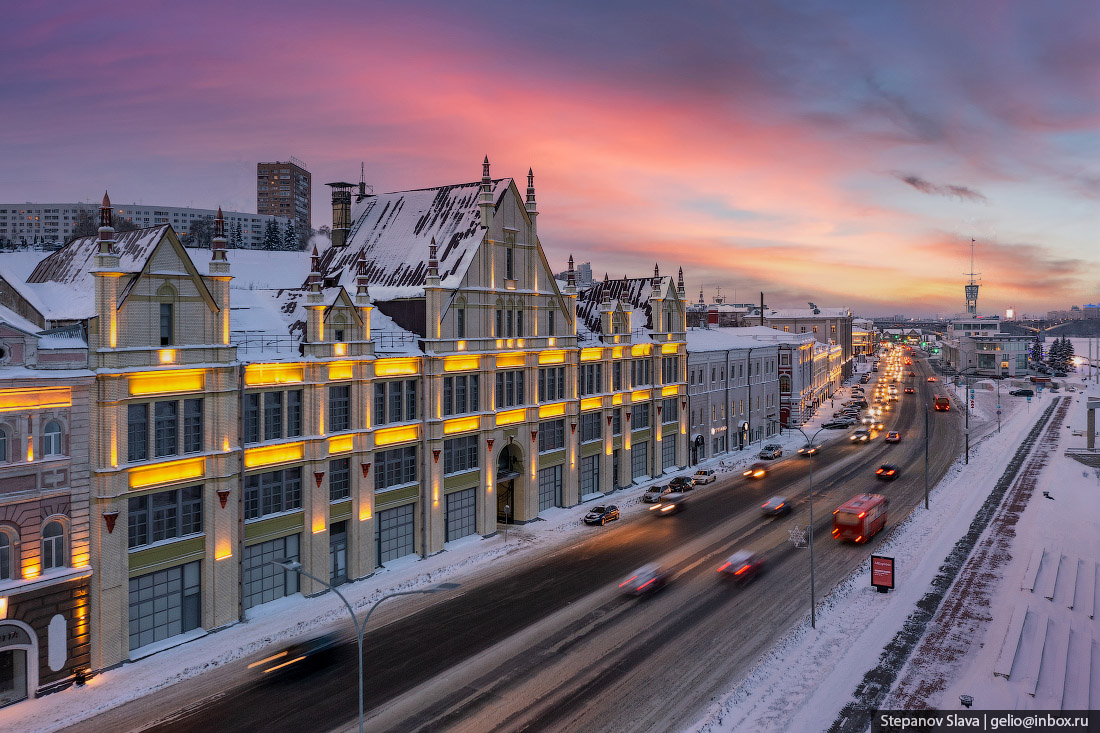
841, 153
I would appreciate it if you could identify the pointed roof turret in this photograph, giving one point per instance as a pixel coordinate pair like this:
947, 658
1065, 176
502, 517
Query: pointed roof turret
432, 276
606, 289
217, 244
656, 275
532, 209
485, 200
361, 292
106, 240
680, 284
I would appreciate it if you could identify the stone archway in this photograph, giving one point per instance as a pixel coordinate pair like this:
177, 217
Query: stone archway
509, 482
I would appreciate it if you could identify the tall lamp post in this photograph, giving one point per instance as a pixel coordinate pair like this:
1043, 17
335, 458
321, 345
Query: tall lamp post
296, 567
813, 597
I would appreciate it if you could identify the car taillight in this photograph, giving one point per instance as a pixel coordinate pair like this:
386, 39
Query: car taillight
835, 531
879, 471
859, 538
628, 581
643, 585
780, 506
862, 515
723, 567
741, 569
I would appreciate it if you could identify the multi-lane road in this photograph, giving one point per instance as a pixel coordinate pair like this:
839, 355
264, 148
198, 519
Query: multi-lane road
550, 643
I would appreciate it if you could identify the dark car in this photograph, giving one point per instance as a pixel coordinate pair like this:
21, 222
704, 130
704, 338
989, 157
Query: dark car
836, 424
669, 504
887, 472
301, 656
648, 579
776, 506
1022, 393
809, 450
756, 470
1059, 374
909, 390
681, 483
742, 566
602, 514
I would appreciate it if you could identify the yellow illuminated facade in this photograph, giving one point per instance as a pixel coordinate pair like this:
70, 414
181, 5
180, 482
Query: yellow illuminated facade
274, 454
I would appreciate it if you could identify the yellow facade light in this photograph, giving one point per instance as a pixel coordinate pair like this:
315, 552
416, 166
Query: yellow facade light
364, 513
551, 341
341, 444
511, 416
167, 356
225, 326
224, 551
12, 400
617, 399
520, 342
164, 473
461, 346
640, 395
155, 383
402, 434
461, 425
670, 348
31, 571
591, 354
30, 449
318, 525
641, 349
461, 363
3, 607
500, 343
505, 361
552, 357
340, 349
591, 403
617, 352
256, 375
272, 454
396, 367
555, 410
670, 390
339, 370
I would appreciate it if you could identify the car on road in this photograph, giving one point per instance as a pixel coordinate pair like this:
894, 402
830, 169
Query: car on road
809, 450
645, 580
871, 423
681, 483
931, 379
742, 566
756, 470
893, 437
602, 514
912, 374
776, 506
836, 424
771, 450
670, 504
1022, 393
863, 435
307, 655
705, 476
887, 472
654, 494
864, 379
909, 390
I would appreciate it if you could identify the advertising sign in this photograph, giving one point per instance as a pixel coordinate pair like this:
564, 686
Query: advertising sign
882, 573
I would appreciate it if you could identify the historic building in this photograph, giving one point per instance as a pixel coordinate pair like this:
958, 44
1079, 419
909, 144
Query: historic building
425, 380
828, 325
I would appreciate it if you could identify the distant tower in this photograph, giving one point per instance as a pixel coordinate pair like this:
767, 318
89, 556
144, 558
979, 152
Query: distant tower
341, 211
971, 288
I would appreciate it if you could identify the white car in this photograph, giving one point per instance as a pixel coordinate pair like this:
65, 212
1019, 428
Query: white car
705, 476
771, 451
656, 494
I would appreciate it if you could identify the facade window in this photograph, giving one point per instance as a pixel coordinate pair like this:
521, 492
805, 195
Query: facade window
251, 418
51, 439
591, 379
165, 515
519, 324
272, 492
499, 323
294, 413
551, 435
509, 264
3, 446
509, 388
617, 422
591, 429
641, 416
165, 429
460, 454
165, 324
339, 479
670, 411
551, 384
273, 415
641, 372
394, 401
192, 425
137, 432
785, 384
53, 545
460, 322
339, 408
7, 555
508, 320
550, 322
460, 394
785, 359
394, 468
669, 369
616, 376
165, 603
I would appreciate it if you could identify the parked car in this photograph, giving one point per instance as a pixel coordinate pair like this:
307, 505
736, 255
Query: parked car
862, 435
705, 476
809, 450
756, 470
836, 424
776, 506
654, 494
681, 483
670, 504
771, 450
1059, 374
645, 580
602, 514
887, 472
893, 437
742, 566
1022, 393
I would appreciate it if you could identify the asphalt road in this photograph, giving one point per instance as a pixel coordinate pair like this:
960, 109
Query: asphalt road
551, 644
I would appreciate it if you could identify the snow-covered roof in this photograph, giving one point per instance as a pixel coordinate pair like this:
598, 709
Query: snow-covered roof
719, 339
805, 312
396, 229
12, 318
631, 293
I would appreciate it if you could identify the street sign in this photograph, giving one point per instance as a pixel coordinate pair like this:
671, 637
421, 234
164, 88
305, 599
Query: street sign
971, 404
882, 573
1029, 400
797, 536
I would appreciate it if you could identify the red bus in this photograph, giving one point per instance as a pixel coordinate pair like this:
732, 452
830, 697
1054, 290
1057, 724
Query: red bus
941, 402
860, 518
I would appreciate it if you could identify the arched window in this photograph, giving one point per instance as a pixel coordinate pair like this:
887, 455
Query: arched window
3, 446
53, 545
7, 555
51, 439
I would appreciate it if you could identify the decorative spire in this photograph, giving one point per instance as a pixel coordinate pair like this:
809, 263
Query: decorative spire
361, 275
606, 289
485, 202
433, 263
571, 277
315, 271
217, 245
680, 284
106, 231
656, 275
530, 205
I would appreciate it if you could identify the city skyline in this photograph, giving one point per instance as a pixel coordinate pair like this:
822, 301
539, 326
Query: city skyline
840, 155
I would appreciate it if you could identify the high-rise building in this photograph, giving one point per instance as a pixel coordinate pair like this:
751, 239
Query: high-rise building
284, 189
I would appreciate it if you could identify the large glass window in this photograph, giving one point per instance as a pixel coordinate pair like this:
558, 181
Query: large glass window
165, 603
53, 545
591, 428
51, 439
294, 413
394, 401
164, 515
251, 417
509, 388
551, 435
591, 379
263, 580
192, 425
272, 492
273, 415
394, 467
339, 408
166, 428
137, 432
460, 454
670, 410
640, 419
339, 479
551, 384
460, 394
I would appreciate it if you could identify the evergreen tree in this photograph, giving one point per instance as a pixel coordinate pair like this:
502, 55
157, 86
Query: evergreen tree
290, 239
1037, 350
1069, 354
271, 236
236, 237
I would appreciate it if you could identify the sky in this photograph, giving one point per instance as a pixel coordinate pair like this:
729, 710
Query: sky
844, 153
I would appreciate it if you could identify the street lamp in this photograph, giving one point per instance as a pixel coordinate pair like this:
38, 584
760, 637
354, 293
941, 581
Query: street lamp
813, 598
360, 627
